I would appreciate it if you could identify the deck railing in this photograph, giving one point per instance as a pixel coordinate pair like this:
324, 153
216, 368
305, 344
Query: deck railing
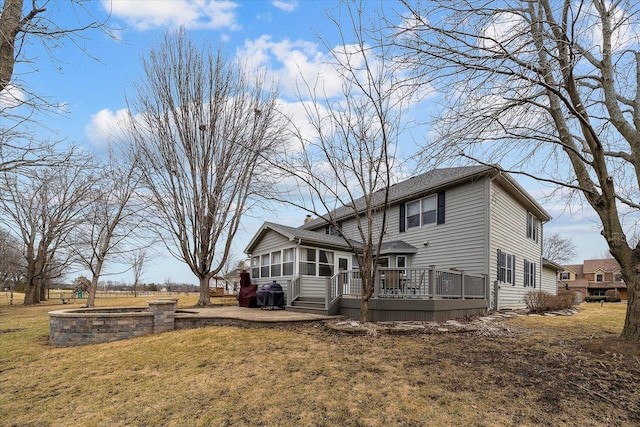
428, 283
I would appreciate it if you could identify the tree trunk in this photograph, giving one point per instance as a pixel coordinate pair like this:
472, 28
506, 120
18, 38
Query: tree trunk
9, 25
631, 329
364, 310
205, 299
93, 289
30, 294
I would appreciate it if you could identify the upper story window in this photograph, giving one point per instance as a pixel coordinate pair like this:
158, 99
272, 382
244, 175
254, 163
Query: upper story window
600, 277
421, 212
332, 230
565, 275
617, 277
428, 210
532, 227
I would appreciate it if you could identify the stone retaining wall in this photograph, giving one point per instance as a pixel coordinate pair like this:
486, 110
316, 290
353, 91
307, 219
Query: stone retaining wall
97, 325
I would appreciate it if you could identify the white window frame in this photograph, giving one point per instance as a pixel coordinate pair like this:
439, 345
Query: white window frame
326, 268
532, 227
255, 266
265, 265
288, 262
507, 272
422, 214
276, 264
530, 270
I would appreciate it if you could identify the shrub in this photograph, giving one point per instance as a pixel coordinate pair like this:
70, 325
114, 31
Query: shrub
612, 295
540, 301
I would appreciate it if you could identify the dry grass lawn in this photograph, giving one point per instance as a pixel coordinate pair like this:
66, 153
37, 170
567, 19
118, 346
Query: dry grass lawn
570, 371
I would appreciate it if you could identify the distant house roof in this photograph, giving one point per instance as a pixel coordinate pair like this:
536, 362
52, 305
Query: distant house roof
433, 181
574, 268
605, 265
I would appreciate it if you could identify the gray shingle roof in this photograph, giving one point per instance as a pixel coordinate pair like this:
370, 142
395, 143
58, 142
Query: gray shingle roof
413, 187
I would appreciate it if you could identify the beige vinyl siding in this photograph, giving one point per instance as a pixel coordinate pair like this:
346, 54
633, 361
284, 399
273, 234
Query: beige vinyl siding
509, 234
313, 287
271, 241
549, 281
459, 242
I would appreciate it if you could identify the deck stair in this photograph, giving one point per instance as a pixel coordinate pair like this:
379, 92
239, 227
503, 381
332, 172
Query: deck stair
308, 305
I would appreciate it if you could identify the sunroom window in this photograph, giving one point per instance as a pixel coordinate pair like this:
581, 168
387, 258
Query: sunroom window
264, 266
276, 259
325, 263
287, 264
308, 261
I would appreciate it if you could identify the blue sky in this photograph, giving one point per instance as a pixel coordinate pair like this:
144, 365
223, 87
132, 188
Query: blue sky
281, 35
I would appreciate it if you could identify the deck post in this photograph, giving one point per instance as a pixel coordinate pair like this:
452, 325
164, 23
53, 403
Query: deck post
376, 284
432, 281
462, 282
327, 297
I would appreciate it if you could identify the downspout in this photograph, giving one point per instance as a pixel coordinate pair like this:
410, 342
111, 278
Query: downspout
492, 302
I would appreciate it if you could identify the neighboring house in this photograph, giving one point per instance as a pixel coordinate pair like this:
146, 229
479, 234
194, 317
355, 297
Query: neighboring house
593, 278
457, 241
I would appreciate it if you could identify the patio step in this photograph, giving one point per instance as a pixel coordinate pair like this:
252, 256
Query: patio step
308, 305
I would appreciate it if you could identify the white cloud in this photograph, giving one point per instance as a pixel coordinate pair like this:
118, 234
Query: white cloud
293, 63
287, 6
192, 14
105, 126
12, 96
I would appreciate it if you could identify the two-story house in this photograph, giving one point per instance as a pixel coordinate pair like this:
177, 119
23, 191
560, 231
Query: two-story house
593, 278
457, 241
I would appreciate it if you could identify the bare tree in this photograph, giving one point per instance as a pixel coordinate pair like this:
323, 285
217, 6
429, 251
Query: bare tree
138, 264
204, 126
558, 249
43, 206
547, 89
344, 168
112, 221
11, 266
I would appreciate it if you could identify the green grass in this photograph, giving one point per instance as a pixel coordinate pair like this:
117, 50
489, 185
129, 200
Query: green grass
549, 371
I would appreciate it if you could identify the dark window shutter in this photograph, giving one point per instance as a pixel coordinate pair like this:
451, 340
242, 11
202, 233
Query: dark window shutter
513, 269
526, 272
441, 203
403, 215
499, 265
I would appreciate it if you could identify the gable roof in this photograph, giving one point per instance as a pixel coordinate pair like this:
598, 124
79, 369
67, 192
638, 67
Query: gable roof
324, 240
431, 182
605, 265
297, 233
